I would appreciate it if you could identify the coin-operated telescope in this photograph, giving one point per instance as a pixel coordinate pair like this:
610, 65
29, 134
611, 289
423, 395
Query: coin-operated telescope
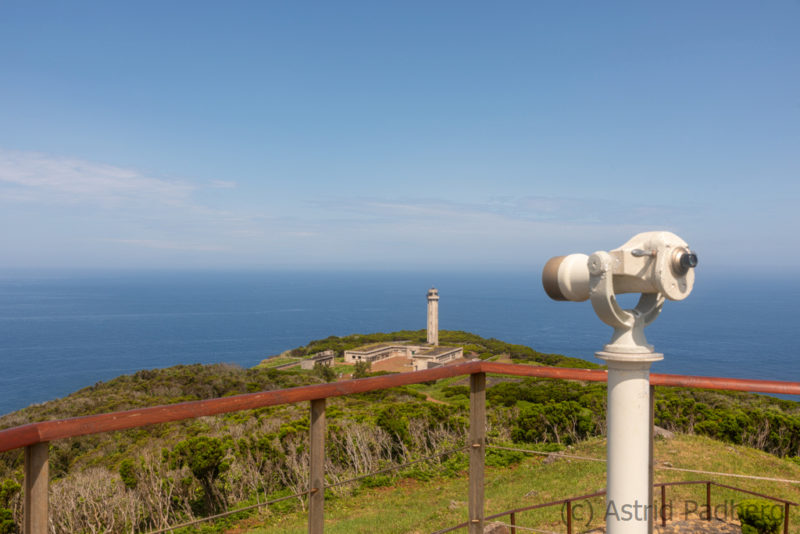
659, 265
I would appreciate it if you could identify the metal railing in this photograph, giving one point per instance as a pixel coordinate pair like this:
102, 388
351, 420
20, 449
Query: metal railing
35, 437
662, 510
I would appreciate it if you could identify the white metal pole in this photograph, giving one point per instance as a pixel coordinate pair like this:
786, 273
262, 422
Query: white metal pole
628, 419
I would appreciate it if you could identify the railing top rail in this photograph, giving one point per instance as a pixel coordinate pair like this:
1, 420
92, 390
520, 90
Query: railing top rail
567, 373
726, 486
543, 505
30, 434
682, 483
778, 499
729, 384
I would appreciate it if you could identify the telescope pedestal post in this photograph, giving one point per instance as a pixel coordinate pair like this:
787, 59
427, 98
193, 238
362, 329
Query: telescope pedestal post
628, 452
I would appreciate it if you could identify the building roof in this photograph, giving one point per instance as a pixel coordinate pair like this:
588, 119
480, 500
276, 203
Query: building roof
436, 351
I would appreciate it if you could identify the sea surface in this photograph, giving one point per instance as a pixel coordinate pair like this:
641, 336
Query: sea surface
60, 333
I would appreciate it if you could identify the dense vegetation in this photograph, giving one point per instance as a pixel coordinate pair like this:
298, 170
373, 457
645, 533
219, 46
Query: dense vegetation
758, 517
165, 474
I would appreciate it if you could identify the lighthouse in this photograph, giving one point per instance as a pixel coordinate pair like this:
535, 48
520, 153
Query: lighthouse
433, 316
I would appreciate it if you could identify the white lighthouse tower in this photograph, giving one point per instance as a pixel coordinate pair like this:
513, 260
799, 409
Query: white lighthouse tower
433, 316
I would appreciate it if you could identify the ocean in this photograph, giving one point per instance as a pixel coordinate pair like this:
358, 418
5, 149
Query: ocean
62, 333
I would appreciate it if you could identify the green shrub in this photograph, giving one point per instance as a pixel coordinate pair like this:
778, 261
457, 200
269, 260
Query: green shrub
361, 369
206, 458
501, 458
377, 481
392, 419
283, 507
325, 372
562, 422
419, 472
7, 525
8, 490
127, 473
455, 464
759, 516
455, 391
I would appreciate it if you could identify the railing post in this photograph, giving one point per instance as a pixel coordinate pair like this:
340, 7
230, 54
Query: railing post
316, 481
786, 518
664, 506
569, 517
514, 522
477, 442
37, 472
708, 500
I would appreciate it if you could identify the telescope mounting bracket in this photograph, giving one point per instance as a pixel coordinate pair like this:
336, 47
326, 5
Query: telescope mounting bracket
628, 341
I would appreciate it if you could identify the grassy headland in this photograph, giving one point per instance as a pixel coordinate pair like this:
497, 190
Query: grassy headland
169, 473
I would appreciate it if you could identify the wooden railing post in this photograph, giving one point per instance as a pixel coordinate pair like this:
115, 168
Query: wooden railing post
36, 480
664, 506
786, 518
569, 517
316, 481
513, 523
708, 500
477, 442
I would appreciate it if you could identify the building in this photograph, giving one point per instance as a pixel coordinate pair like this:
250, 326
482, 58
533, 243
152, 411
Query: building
323, 358
420, 356
427, 358
376, 353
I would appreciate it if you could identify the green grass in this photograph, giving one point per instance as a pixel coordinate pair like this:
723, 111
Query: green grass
411, 506
435, 390
278, 360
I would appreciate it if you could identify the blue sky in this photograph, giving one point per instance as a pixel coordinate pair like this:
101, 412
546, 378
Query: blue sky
403, 135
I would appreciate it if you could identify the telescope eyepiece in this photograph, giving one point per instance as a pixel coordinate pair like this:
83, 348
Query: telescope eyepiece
684, 260
689, 260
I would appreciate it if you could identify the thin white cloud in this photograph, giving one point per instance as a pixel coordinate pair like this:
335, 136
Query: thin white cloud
36, 177
67, 211
223, 184
587, 210
565, 210
302, 234
167, 245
